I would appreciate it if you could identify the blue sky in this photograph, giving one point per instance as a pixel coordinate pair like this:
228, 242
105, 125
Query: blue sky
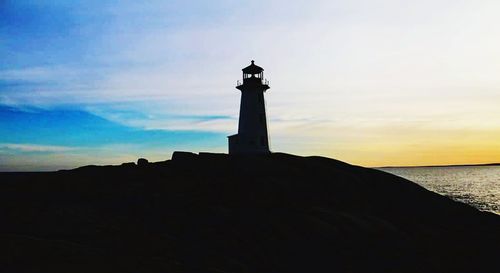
382, 82
38, 139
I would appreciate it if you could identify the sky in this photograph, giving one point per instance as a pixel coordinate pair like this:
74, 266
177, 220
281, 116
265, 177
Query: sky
369, 82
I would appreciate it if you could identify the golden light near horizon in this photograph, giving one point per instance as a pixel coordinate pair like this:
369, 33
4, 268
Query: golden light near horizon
390, 148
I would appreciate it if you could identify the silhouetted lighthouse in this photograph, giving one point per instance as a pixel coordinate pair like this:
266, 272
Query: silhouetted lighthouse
252, 128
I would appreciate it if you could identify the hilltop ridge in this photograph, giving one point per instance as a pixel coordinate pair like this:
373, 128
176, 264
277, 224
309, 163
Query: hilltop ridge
219, 213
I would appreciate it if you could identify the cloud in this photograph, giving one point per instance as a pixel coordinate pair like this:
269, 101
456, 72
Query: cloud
157, 118
189, 65
35, 148
37, 74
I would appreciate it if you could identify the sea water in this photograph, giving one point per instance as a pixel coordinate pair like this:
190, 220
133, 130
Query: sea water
478, 186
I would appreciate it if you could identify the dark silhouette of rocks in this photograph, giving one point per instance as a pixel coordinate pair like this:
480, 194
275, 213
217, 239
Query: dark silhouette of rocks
220, 213
128, 164
142, 162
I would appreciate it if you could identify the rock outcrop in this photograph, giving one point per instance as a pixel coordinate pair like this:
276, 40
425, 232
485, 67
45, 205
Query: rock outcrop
220, 213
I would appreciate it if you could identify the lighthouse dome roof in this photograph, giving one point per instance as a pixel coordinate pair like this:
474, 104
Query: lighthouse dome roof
252, 69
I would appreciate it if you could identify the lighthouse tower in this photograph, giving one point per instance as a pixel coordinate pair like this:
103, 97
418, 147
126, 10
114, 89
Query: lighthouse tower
252, 135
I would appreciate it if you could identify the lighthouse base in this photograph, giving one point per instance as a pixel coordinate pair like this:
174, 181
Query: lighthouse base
250, 145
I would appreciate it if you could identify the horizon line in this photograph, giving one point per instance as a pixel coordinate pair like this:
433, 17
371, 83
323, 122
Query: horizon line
447, 165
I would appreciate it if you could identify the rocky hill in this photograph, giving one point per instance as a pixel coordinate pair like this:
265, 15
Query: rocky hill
220, 213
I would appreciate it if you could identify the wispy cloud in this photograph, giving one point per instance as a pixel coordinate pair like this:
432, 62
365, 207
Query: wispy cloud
37, 74
161, 119
35, 148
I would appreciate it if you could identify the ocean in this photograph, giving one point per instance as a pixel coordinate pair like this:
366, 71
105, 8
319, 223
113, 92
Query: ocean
478, 186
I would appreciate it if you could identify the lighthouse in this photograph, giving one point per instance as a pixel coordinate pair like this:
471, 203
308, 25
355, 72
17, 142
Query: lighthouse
252, 137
